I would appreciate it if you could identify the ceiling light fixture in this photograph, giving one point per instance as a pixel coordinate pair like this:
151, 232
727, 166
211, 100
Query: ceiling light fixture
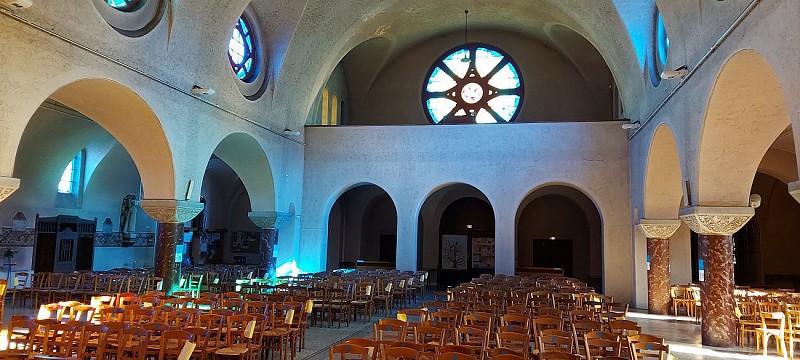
466, 17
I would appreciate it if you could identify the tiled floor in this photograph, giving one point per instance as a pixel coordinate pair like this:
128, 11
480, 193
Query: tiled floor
681, 333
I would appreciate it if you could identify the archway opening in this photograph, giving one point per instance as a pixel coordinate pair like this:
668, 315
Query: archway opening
77, 174
362, 229
456, 235
560, 227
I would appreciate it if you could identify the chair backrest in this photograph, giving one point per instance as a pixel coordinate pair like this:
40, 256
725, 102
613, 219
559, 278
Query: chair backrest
172, 343
514, 341
389, 331
624, 327
454, 356
92, 342
400, 353
557, 355
370, 345
773, 321
553, 339
58, 340
21, 335
648, 350
133, 344
348, 351
595, 348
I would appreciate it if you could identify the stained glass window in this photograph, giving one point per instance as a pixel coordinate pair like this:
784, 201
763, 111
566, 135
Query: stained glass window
124, 5
242, 51
662, 41
474, 83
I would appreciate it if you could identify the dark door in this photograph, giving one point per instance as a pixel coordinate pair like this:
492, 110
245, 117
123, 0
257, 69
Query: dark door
388, 250
85, 256
553, 254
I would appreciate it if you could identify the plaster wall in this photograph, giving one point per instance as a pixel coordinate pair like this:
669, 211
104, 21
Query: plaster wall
555, 89
505, 161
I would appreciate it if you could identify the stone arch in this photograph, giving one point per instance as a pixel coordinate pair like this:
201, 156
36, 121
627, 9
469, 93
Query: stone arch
746, 112
328, 208
432, 208
245, 155
663, 188
130, 120
565, 198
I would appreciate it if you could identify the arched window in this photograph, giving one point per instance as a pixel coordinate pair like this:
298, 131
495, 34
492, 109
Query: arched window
473, 83
124, 5
242, 51
70, 182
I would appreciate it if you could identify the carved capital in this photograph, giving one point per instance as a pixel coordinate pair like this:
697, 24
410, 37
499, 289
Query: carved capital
171, 211
7, 186
658, 229
794, 190
716, 220
269, 219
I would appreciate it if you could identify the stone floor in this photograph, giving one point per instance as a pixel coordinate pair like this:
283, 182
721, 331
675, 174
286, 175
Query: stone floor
681, 333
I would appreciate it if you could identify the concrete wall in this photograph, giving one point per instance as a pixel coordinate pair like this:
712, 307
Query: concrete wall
505, 161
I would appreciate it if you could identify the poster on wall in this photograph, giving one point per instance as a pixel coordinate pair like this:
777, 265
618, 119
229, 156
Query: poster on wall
454, 252
482, 253
245, 242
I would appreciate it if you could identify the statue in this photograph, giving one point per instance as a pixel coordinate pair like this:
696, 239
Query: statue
127, 217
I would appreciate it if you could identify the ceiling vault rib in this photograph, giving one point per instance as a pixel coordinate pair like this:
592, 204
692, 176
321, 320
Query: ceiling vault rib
142, 73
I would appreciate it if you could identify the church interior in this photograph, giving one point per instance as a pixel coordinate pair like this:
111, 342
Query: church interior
366, 179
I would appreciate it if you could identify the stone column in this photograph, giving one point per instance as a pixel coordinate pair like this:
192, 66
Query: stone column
7, 186
715, 227
170, 214
658, 233
268, 222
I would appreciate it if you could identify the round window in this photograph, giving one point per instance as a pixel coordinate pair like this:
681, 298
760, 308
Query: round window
124, 5
473, 83
242, 51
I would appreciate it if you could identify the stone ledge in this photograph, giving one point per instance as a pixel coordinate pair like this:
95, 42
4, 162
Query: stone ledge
7, 186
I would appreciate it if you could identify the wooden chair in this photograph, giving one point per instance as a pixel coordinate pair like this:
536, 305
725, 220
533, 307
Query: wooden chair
553, 339
579, 329
201, 336
373, 348
20, 338
133, 344
348, 351
506, 357
92, 342
363, 300
516, 342
648, 350
58, 340
792, 326
501, 353
474, 338
748, 319
430, 338
557, 355
598, 348
454, 356
773, 324
17, 286
455, 349
172, 343
399, 353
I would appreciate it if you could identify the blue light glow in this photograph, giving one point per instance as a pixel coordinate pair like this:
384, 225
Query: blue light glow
662, 41
242, 51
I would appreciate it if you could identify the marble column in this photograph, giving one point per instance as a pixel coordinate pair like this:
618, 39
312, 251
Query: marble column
658, 233
170, 214
269, 222
715, 227
7, 186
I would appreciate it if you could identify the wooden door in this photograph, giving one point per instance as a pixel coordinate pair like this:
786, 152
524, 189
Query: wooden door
66, 245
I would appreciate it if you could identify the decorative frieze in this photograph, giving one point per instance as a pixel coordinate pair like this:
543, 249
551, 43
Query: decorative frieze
794, 190
269, 219
716, 220
659, 229
171, 211
7, 186
15, 238
116, 239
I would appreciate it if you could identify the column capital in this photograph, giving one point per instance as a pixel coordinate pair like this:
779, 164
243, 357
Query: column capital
7, 186
269, 219
171, 211
794, 190
707, 220
658, 229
